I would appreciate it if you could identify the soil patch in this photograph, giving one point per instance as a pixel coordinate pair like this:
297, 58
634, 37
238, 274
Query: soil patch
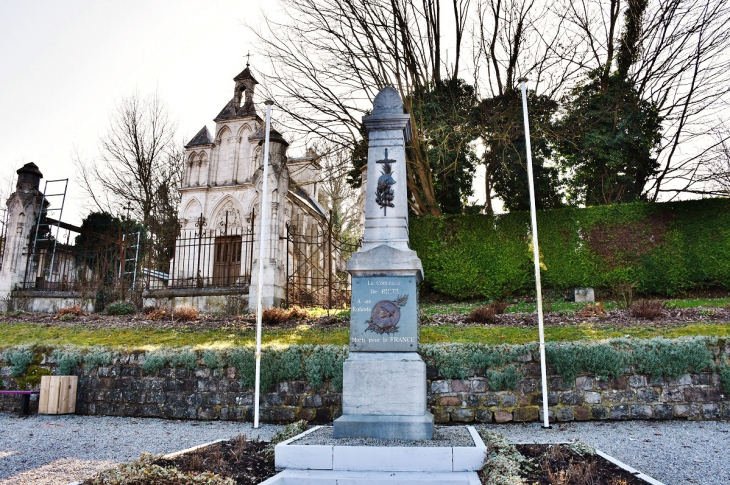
612, 318
558, 464
243, 460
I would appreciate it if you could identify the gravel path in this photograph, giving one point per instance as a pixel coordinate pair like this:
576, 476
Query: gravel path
673, 452
56, 450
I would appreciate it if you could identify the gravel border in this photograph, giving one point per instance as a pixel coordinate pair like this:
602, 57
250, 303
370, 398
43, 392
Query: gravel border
63, 449
444, 436
57, 450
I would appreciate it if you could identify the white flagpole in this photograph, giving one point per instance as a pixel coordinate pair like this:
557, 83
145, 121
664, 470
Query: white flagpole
536, 256
264, 235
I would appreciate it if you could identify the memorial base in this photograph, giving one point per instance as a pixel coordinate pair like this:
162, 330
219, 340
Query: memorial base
385, 427
384, 396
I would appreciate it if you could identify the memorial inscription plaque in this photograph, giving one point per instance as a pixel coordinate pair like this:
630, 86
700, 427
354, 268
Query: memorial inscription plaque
384, 314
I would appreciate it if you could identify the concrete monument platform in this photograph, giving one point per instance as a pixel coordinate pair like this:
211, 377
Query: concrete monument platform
346, 461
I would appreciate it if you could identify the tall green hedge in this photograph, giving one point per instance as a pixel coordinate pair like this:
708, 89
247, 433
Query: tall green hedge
660, 248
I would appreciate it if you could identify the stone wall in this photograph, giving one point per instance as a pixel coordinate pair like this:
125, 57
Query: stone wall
124, 389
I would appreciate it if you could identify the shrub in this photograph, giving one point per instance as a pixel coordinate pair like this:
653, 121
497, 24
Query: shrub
214, 359
184, 357
649, 248
274, 315
504, 465
482, 314
144, 471
509, 378
19, 359
486, 313
324, 362
67, 359
499, 306
298, 313
155, 360
186, 313
73, 311
660, 357
156, 314
592, 310
649, 309
243, 359
98, 357
121, 308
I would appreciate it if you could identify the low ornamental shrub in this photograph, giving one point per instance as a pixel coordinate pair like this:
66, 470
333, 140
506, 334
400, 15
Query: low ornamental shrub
486, 313
482, 314
274, 316
121, 308
19, 359
73, 311
145, 471
186, 313
67, 358
592, 310
648, 309
725, 377
501, 365
156, 314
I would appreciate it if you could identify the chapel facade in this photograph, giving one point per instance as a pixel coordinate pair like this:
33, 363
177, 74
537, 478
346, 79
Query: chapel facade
222, 193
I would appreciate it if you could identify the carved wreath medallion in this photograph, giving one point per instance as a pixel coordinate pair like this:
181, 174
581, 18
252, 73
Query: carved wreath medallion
385, 315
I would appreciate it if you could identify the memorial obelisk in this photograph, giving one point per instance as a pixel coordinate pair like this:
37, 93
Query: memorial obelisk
384, 387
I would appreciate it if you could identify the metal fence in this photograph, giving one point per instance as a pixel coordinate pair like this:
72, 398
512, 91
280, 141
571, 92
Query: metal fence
109, 268
3, 234
219, 257
316, 267
86, 268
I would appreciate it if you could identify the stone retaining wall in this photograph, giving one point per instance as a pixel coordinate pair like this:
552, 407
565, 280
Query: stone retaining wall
124, 389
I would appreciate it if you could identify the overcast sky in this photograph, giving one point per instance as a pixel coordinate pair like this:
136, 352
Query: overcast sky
66, 63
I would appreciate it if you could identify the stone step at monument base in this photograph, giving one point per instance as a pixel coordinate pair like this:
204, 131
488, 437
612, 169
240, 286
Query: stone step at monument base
453, 458
338, 477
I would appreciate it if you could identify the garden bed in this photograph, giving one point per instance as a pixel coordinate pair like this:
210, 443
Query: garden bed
241, 461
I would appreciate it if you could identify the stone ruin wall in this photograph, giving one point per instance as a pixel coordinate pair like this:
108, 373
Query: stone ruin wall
124, 389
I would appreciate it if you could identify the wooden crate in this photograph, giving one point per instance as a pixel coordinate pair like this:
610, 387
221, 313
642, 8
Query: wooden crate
58, 395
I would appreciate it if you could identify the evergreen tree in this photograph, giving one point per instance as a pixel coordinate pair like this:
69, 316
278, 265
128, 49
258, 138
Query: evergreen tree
609, 134
502, 124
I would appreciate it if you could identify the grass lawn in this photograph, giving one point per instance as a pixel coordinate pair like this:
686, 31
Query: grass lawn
464, 308
147, 339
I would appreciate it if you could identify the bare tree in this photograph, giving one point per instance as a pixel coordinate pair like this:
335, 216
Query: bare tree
139, 161
328, 59
335, 194
681, 63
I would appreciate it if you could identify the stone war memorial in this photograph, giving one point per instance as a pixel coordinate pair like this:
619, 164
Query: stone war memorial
385, 433
384, 386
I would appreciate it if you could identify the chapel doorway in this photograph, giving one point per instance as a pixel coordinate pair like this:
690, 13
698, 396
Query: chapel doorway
227, 266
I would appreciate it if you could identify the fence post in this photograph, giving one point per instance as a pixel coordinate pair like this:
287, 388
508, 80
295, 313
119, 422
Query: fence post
250, 252
198, 277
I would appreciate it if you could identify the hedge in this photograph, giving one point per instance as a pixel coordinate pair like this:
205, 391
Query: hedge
657, 248
502, 365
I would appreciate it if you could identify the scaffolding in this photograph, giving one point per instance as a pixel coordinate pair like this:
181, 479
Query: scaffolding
50, 204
